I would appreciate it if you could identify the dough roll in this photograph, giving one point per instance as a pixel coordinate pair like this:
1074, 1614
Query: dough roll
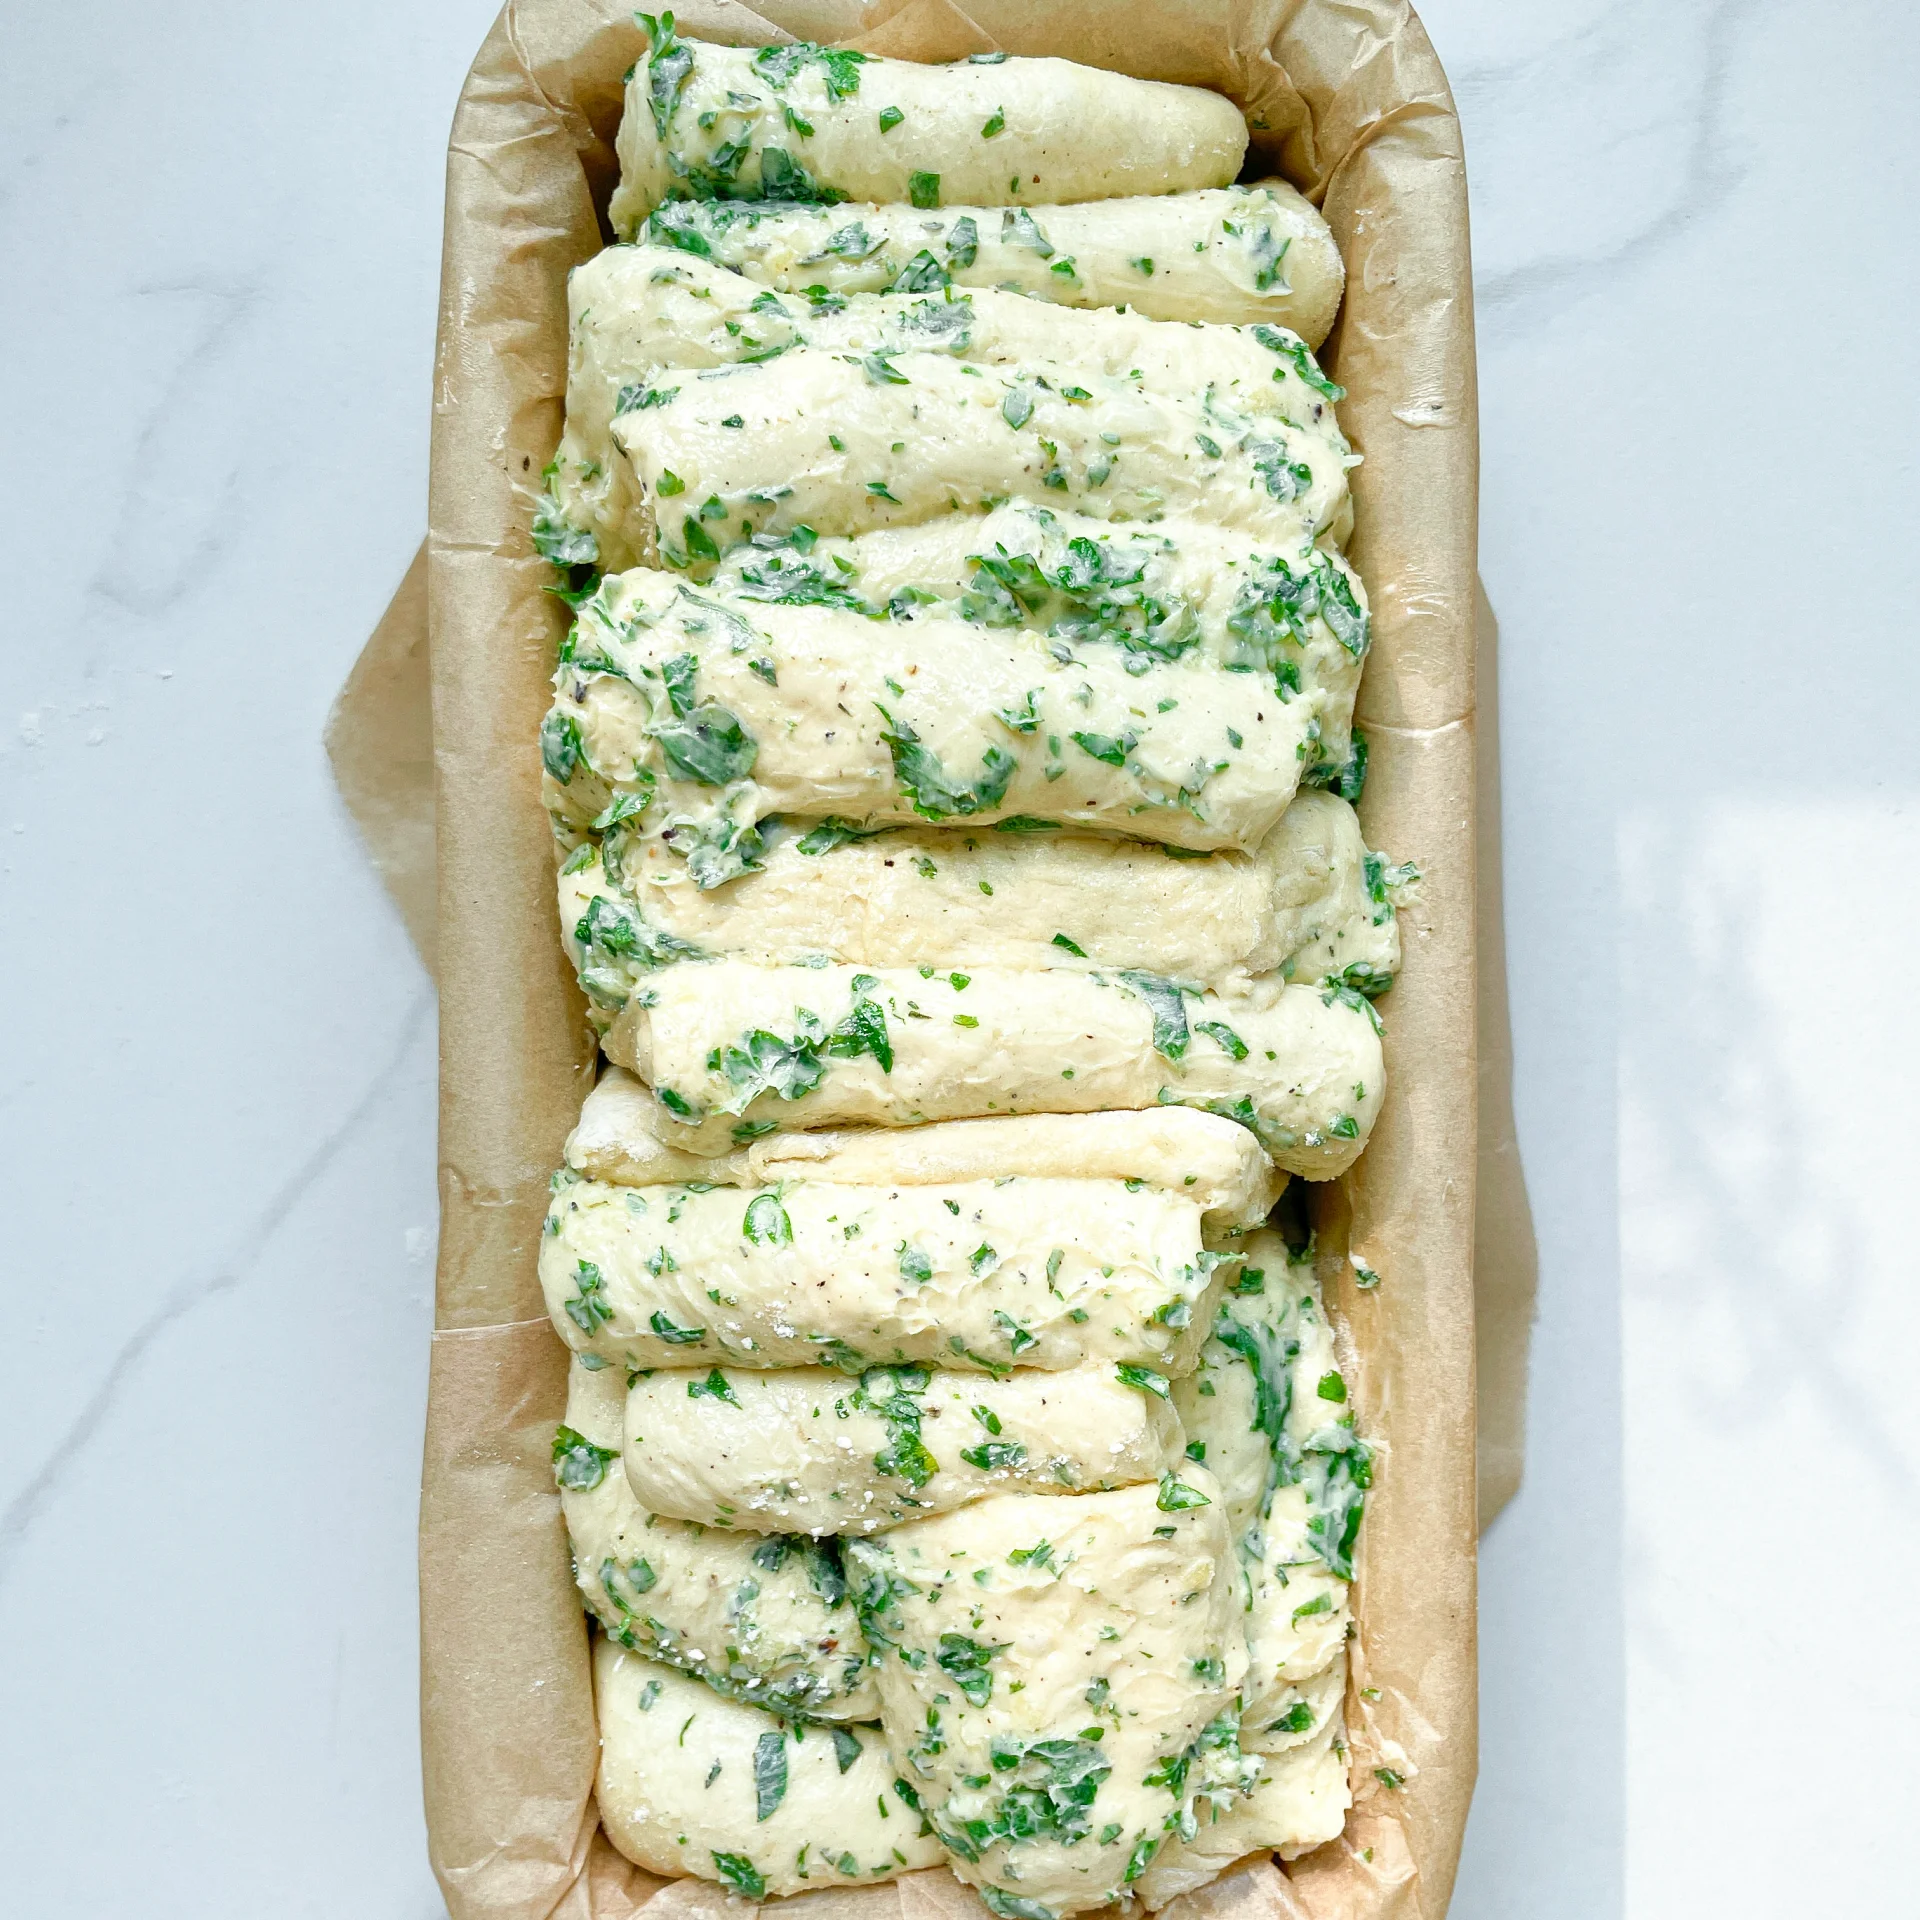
806, 1450
1270, 1408
1299, 1802
810, 123
700, 714
690, 1783
1236, 256
765, 1621
843, 446
1179, 589
733, 1051
1057, 1681
1310, 903
642, 316
987, 1274
1200, 1158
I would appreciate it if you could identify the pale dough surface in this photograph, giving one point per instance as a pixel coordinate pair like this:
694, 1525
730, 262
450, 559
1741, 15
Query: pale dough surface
1014, 1632
767, 1621
1309, 903
714, 712
730, 1045
988, 133
1215, 1163
642, 315
814, 440
1232, 255
985, 1274
679, 1787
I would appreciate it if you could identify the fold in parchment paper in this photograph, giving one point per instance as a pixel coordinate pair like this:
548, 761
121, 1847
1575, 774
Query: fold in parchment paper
1346, 99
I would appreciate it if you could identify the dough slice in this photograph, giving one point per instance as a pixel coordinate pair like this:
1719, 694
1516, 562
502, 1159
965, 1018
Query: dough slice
733, 1050
981, 1274
847, 446
1271, 1409
802, 122
1234, 255
1310, 903
1058, 1681
690, 1783
762, 1620
706, 713
1300, 1802
810, 1451
1179, 588
1214, 1163
644, 319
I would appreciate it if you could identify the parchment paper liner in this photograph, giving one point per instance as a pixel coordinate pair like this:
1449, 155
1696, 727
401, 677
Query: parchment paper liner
1348, 99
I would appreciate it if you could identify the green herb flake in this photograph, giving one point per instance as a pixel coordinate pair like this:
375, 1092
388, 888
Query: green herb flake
769, 1773
714, 1387
740, 1874
1176, 1497
765, 1223
674, 1335
968, 1661
578, 1465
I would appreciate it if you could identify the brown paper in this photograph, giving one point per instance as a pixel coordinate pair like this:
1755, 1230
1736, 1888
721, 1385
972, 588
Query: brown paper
379, 739
1347, 97
1505, 1260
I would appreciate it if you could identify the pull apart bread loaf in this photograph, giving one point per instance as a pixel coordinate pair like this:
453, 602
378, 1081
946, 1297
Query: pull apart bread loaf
952, 767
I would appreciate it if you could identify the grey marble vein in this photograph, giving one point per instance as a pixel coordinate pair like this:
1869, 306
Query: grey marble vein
231, 1271
1712, 157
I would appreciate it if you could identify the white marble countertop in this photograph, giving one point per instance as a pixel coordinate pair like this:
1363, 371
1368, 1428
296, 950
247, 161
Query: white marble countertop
1699, 400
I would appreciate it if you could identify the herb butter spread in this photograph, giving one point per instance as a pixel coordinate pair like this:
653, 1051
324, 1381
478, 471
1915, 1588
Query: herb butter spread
692, 1783
840, 444
733, 1050
649, 322
1234, 255
953, 776
812, 1451
986, 1274
809, 123
719, 713
1058, 1680
1298, 1802
761, 1620
1274, 1414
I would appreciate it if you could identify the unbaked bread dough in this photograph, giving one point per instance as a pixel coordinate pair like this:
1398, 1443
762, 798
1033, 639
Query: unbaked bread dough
1236, 255
690, 1783
1214, 1163
733, 1050
1311, 904
645, 318
767, 1621
702, 714
807, 1450
1058, 1680
802, 122
983, 1274
845, 444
